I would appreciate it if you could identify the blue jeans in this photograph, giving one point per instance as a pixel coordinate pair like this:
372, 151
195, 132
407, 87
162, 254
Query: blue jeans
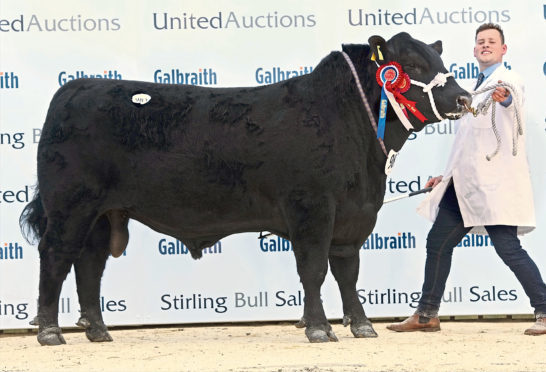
447, 231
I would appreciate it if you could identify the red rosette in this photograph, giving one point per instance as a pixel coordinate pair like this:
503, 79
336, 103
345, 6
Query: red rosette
389, 72
404, 83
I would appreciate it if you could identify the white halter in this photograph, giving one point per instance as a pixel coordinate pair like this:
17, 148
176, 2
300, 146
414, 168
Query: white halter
439, 80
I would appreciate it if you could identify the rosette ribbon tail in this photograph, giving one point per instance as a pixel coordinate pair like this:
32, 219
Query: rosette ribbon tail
383, 104
410, 105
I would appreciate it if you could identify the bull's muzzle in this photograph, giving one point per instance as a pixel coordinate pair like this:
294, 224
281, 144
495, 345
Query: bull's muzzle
464, 101
463, 106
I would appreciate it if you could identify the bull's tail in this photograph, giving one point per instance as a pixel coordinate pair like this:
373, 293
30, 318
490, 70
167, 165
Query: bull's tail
33, 220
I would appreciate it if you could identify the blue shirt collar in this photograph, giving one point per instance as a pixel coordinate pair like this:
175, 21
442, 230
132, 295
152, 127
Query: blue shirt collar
488, 71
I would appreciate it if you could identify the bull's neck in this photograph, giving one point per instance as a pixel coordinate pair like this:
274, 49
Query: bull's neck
395, 133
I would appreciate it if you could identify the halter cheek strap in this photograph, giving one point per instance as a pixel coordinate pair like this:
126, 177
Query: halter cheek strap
439, 80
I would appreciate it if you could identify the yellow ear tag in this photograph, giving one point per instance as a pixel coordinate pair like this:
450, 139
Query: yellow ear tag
378, 52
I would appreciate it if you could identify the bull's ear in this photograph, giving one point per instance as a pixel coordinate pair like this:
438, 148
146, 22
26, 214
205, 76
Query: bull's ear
378, 47
438, 46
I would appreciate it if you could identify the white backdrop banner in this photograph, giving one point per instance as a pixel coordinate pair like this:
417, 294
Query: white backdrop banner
248, 43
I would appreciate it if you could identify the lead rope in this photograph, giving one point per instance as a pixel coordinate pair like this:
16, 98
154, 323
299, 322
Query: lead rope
483, 108
364, 100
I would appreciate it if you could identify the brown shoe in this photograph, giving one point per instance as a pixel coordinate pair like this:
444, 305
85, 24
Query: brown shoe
416, 323
539, 328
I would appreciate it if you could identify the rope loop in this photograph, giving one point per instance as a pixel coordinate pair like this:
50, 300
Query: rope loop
488, 102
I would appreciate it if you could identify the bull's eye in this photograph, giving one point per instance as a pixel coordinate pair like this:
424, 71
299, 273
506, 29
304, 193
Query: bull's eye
412, 68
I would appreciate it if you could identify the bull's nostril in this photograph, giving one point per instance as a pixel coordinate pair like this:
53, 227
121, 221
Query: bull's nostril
464, 100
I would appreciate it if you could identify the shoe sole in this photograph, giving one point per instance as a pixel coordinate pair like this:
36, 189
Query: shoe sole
430, 329
534, 333
434, 329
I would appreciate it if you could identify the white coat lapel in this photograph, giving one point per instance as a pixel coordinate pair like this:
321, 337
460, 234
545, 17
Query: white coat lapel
494, 77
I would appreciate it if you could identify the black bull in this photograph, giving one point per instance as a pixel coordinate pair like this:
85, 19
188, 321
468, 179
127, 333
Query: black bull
298, 158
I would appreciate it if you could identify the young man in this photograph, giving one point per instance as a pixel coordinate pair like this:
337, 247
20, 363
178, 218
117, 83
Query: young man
479, 195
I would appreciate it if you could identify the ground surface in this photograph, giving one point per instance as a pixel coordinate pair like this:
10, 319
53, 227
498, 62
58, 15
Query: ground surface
460, 346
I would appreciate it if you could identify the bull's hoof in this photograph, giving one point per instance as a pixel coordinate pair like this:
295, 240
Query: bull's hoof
318, 335
98, 334
83, 323
300, 323
51, 336
94, 332
363, 330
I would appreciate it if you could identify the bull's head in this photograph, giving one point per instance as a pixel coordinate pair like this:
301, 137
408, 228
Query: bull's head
437, 94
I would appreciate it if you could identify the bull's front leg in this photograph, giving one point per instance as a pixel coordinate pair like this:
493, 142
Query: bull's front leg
344, 263
310, 226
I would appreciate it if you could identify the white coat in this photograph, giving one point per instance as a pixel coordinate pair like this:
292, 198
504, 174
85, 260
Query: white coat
495, 192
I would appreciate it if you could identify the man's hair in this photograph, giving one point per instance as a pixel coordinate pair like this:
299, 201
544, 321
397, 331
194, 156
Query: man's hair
490, 26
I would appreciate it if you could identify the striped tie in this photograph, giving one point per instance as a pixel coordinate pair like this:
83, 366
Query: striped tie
480, 80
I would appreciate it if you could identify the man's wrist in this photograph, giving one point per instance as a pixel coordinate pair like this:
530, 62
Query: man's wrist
507, 101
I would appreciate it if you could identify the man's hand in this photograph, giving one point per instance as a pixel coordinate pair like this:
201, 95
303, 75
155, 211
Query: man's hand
433, 181
500, 94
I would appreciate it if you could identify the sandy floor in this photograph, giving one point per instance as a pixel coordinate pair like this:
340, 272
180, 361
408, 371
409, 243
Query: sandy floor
460, 346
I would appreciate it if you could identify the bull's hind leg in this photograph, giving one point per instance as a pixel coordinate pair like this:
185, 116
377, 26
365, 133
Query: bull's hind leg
53, 270
344, 264
89, 268
310, 224
59, 248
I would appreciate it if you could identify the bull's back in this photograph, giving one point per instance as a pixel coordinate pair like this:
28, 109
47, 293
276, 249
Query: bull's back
213, 149
177, 118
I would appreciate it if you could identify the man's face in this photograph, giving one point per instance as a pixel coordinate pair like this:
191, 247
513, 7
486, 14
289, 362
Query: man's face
489, 48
